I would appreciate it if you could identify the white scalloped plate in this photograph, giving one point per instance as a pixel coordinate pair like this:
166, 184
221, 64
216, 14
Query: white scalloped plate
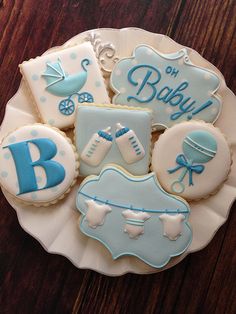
56, 227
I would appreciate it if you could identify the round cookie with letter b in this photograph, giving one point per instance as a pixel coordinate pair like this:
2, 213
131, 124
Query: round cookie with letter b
191, 159
38, 164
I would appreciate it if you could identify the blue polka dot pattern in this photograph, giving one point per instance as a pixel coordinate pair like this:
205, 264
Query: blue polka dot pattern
35, 77
4, 174
98, 84
7, 155
73, 55
62, 153
33, 196
43, 99
34, 133
51, 121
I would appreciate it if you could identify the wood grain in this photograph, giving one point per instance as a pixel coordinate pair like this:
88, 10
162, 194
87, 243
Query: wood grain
33, 281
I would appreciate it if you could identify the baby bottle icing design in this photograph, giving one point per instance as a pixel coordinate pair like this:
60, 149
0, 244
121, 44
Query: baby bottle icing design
97, 147
199, 147
129, 145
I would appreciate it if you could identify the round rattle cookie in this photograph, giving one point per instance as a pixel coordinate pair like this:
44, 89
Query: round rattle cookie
38, 164
191, 159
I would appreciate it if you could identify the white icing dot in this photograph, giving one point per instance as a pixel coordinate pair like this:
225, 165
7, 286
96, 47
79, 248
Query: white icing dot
4, 174
134, 62
214, 110
207, 76
118, 72
122, 90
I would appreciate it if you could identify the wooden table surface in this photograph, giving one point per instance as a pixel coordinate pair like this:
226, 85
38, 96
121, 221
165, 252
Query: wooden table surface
33, 281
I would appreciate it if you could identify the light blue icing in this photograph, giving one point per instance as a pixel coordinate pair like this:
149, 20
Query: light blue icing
35, 77
90, 119
60, 83
73, 55
169, 84
34, 133
198, 147
55, 172
43, 99
7, 156
4, 174
120, 191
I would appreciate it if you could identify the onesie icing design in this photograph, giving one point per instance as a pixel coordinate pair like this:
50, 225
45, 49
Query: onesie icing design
169, 84
59, 82
134, 226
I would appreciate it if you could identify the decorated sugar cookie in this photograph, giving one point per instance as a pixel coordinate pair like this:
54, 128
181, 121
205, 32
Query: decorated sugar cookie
61, 80
134, 216
191, 159
38, 164
113, 134
170, 85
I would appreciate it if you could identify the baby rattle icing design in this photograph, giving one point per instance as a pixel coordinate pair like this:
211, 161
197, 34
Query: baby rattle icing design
59, 83
129, 145
198, 147
97, 148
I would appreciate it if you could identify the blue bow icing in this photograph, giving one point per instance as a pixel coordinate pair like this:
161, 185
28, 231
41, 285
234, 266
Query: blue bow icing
182, 162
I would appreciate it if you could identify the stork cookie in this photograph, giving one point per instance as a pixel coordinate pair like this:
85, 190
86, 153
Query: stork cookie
191, 159
113, 134
134, 216
170, 85
38, 164
60, 80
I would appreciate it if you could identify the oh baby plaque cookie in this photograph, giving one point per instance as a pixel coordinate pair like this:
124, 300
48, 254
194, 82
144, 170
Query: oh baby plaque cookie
38, 164
113, 134
134, 216
61, 80
169, 84
191, 159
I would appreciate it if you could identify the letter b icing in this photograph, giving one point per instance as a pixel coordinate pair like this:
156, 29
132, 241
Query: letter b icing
54, 171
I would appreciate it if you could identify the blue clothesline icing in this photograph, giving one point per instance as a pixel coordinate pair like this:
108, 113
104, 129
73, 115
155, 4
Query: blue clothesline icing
112, 192
123, 206
169, 84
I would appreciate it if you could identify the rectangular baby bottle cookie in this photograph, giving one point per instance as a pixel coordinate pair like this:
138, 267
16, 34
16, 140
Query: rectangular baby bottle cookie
113, 134
59, 81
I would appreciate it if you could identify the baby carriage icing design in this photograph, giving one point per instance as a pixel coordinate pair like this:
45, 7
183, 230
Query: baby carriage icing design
62, 84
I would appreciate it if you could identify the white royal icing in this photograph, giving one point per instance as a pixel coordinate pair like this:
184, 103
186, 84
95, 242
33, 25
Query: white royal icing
96, 213
65, 72
172, 225
129, 145
96, 149
134, 225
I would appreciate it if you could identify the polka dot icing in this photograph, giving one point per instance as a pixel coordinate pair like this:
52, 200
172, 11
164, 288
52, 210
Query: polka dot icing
62, 152
34, 133
51, 121
35, 77
43, 99
98, 84
7, 155
4, 174
33, 196
73, 55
